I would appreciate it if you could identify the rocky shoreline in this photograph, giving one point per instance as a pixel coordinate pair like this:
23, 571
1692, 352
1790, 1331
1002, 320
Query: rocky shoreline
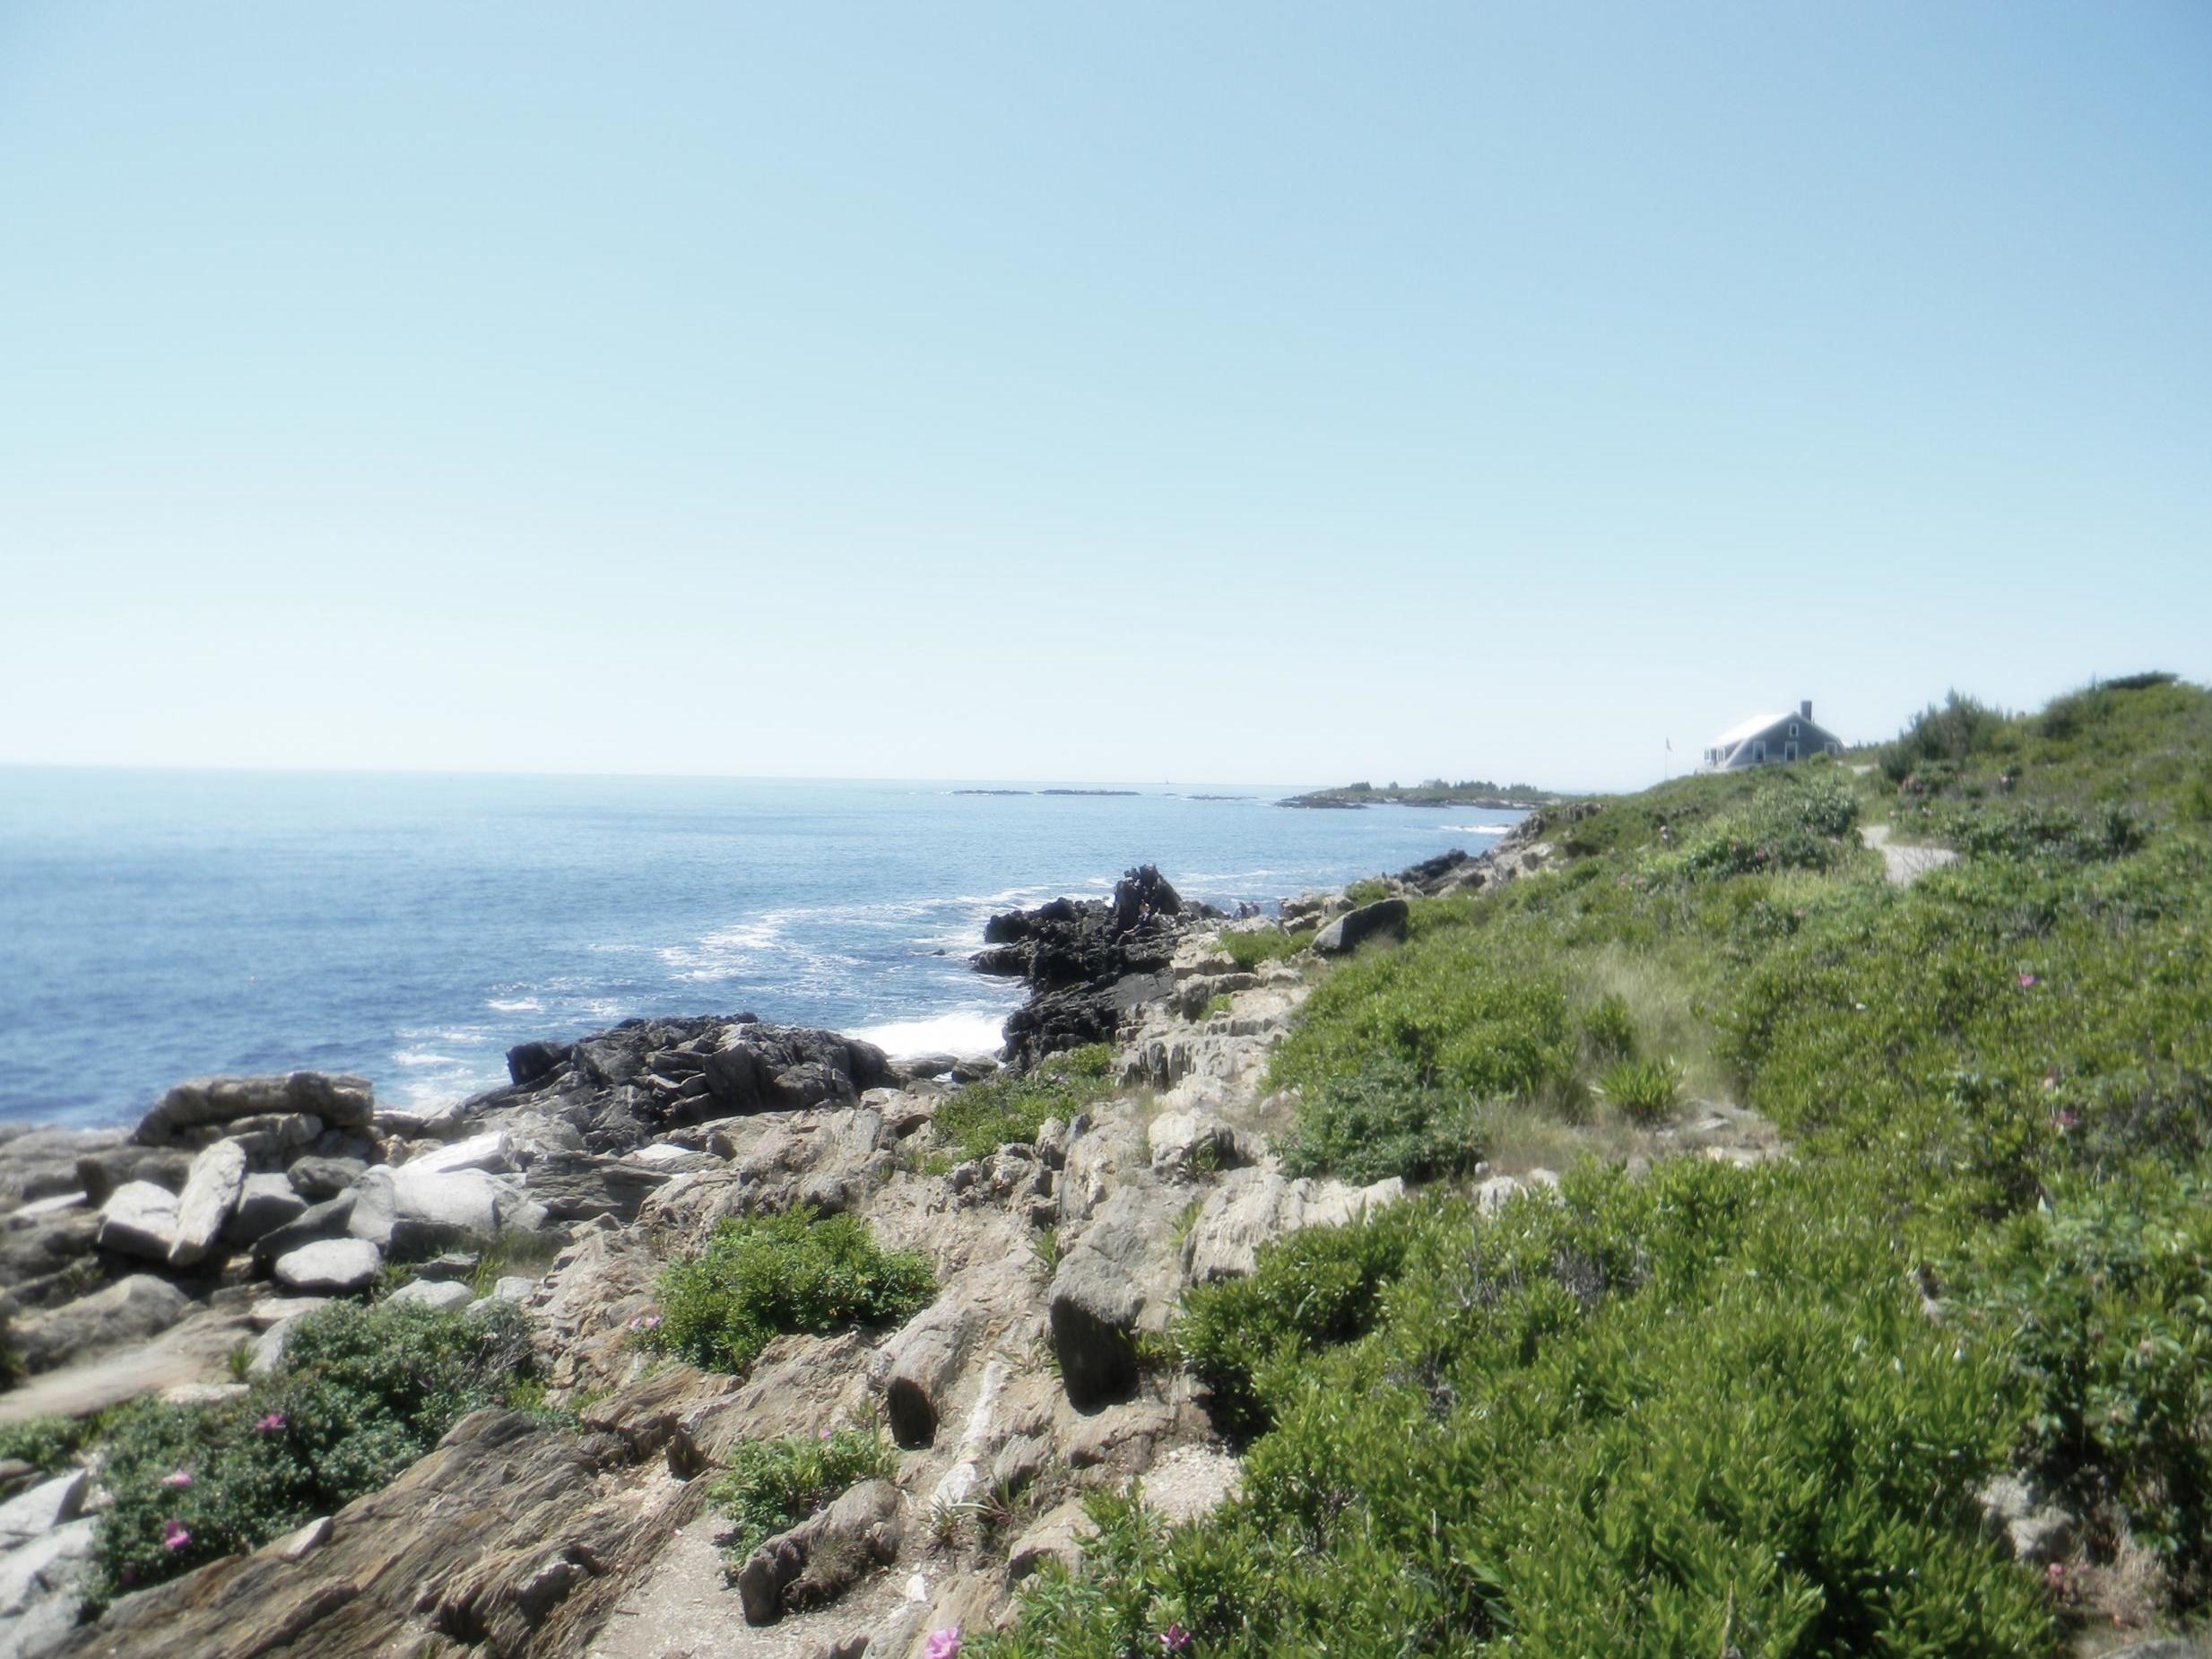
170, 1258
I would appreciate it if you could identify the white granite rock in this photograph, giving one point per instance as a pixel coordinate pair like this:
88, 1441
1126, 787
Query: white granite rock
210, 1193
139, 1219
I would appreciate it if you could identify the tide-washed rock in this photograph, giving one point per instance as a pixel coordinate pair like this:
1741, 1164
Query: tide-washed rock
139, 1219
817, 1559
210, 1193
1383, 919
1088, 963
265, 1203
330, 1267
128, 1311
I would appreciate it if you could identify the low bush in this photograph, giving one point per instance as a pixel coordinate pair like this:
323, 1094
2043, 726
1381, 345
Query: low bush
763, 1275
1367, 891
1954, 730
1643, 1091
1314, 1288
773, 1485
1010, 1107
48, 1444
1383, 1120
360, 1393
1248, 948
2104, 1304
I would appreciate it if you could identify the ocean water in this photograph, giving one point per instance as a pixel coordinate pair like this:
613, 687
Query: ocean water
158, 926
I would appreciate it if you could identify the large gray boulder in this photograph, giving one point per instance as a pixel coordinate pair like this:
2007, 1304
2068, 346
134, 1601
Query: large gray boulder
128, 1311
491, 1152
210, 1193
330, 1267
139, 1219
101, 1173
265, 1203
331, 1219
445, 1296
318, 1179
411, 1212
1383, 919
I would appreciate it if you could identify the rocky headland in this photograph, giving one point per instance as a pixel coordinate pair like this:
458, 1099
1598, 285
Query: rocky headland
171, 1260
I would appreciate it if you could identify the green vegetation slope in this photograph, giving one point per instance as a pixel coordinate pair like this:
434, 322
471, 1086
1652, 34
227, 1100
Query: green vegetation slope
1711, 1409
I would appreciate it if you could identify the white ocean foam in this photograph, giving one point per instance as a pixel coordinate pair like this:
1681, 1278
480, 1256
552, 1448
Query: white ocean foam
964, 1032
516, 1006
1476, 829
418, 1057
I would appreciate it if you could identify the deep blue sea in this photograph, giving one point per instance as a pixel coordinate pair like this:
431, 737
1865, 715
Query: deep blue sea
158, 926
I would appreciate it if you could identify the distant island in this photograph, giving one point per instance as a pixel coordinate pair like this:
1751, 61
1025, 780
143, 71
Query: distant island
1478, 793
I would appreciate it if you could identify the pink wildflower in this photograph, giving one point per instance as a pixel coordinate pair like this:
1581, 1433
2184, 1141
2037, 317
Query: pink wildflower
821, 1434
273, 1423
646, 1322
174, 1536
178, 1477
1175, 1640
942, 1643
2067, 1120
2027, 982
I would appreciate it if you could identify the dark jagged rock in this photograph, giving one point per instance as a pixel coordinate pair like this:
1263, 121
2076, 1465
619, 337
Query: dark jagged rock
1087, 961
631, 1083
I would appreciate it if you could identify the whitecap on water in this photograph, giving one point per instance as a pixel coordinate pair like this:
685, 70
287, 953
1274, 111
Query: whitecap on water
963, 1031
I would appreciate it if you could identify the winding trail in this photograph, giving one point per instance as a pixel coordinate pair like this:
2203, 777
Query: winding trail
1903, 865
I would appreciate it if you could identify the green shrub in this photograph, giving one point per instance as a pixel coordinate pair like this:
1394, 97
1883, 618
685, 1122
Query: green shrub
361, 1392
1249, 948
1654, 1417
1608, 1029
1956, 730
773, 1485
1010, 1108
759, 1275
2105, 1301
1367, 891
1309, 1289
1643, 1091
1217, 1005
48, 1444
1383, 1120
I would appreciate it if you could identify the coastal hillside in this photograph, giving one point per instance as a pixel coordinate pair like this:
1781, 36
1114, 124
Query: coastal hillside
1763, 1214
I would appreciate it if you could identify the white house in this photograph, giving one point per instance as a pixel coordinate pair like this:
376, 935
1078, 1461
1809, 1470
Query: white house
1769, 740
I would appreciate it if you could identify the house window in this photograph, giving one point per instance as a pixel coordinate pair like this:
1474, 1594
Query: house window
1758, 748
1788, 750
1793, 728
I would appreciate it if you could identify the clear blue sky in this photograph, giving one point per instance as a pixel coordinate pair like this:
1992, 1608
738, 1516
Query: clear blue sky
1117, 392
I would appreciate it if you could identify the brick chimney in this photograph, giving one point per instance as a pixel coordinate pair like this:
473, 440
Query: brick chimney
1805, 709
